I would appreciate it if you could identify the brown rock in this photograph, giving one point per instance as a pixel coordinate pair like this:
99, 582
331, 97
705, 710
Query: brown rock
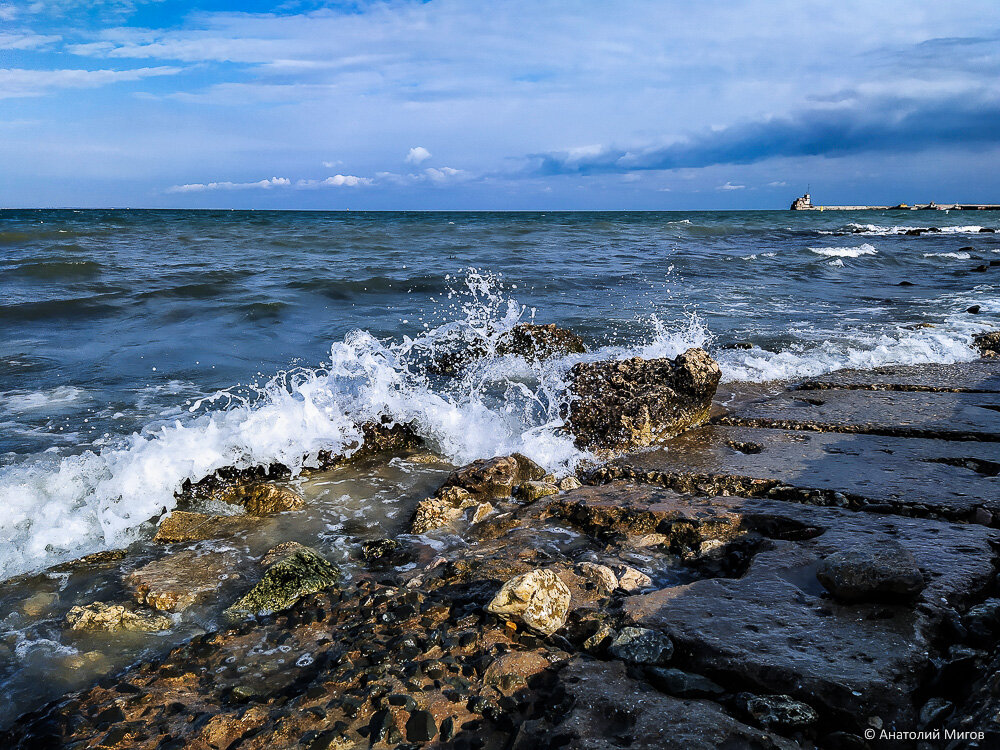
114, 617
635, 403
488, 477
987, 343
531, 491
181, 526
176, 582
260, 499
540, 342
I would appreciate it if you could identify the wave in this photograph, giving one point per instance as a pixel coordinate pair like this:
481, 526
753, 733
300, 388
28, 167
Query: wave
845, 252
61, 507
878, 229
957, 255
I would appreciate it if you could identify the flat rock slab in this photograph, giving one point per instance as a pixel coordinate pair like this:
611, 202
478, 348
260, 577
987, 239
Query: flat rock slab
915, 476
180, 580
776, 629
978, 376
608, 705
951, 416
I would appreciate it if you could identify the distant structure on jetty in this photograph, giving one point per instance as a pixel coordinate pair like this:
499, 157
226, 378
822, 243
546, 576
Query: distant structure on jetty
805, 204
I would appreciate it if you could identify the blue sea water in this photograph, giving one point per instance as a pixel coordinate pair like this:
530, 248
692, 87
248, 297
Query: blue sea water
142, 348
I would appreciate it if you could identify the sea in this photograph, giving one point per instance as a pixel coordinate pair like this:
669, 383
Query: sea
142, 348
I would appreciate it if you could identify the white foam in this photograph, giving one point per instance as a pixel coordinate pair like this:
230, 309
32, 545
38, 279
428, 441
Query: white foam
50, 400
957, 256
878, 229
845, 252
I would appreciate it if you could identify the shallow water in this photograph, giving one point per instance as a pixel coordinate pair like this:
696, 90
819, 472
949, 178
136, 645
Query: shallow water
142, 348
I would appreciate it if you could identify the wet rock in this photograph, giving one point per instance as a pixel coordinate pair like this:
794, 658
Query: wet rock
601, 576
487, 477
777, 712
983, 622
260, 498
378, 549
302, 572
528, 492
175, 582
279, 552
420, 726
866, 572
182, 526
935, 711
540, 342
527, 470
39, 603
537, 598
988, 343
682, 684
567, 484
973, 310
435, 512
630, 579
635, 403
114, 618
641, 646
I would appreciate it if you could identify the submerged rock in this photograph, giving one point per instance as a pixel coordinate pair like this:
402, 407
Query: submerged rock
115, 617
182, 526
538, 598
378, 549
176, 582
637, 402
872, 573
987, 343
300, 572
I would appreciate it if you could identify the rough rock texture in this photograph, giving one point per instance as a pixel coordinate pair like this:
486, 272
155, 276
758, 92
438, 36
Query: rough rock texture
537, 598
777, 712
641, 646
489, 478
531, 491
260, 499
988, 343
182, 526
540, 342
303, 571
177, 581
882, 572
635, 403
114, 617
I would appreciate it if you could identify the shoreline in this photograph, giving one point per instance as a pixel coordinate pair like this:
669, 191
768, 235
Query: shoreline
733, 517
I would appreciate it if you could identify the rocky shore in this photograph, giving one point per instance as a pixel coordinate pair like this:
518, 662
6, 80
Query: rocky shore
814, 568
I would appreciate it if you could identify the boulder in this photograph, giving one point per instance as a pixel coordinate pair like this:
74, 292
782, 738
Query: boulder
529, 492
569, 483
487, 477
182, 526
871, 572
540, 342
114, 618
622, 405
175, 582
537, 598
302, 571
260, 498
987, 343
641, 646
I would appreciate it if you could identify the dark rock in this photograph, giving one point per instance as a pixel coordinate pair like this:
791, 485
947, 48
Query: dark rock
905, 283
983, 622
987, 343
378, 549
635, 403
540, 342
302, 572
487, 477
641, 646
935, 711
886, 571
421, 727
981, 268
778, 712
974, 309
682, 684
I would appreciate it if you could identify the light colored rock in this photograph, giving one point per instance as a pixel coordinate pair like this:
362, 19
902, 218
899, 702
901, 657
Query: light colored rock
175, 582
630, 579
537, 598
39, 603
260, 498
531, 491
181, 526
482, 510
114, 618
569, 483
601, 575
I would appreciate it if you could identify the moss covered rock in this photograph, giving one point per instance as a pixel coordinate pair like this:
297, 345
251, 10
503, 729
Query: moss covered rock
302, 571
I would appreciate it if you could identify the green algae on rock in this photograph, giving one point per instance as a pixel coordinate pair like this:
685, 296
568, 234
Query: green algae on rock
303, 571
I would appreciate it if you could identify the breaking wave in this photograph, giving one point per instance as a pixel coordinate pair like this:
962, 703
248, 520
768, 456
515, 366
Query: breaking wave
845, 252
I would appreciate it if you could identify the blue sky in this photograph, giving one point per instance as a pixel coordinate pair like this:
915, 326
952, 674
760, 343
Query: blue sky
511, 104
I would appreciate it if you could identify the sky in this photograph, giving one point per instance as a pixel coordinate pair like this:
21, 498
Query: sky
508, 104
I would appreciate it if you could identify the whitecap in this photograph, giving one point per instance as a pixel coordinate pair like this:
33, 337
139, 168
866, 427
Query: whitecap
845, 252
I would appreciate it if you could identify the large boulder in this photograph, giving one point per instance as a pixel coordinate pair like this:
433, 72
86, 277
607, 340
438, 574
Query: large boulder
622, 405
872, 572
298, 572
537, 598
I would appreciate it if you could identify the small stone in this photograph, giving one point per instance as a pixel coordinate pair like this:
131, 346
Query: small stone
983, 621
974, 309
420, 727
378, 549
603, 578
529, 492
538, 598
641, 646
630, 579
871, 572
481, 511
114, 618
597, 641
302, 572
39, 603
567, 484
935, 711
682, 684
778, 711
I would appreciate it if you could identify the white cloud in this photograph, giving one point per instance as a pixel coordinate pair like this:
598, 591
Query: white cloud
777, 183
200, 187
731, 186
338, 180
435, 175
332, 164
26, 40
418, 155
18, 82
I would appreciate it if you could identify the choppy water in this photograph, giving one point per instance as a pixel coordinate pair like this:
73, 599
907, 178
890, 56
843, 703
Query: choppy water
140, 348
